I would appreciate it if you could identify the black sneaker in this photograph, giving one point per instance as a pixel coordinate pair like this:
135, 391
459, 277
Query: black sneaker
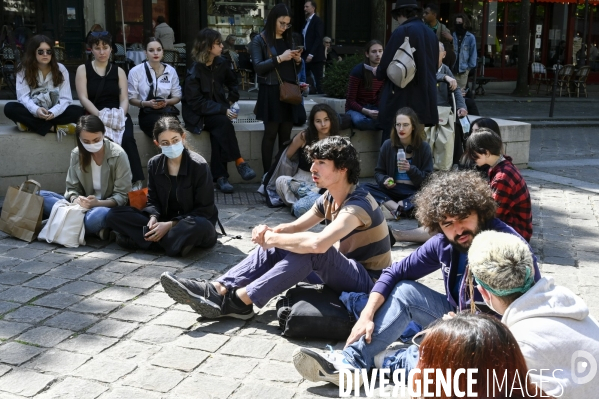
245, 171
124, 241
199, 294
232, 309
224, 185
186, 250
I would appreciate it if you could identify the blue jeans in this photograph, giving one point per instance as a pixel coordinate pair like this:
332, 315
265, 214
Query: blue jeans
266, 273
95, 218
383, 194
361, 121
409, 301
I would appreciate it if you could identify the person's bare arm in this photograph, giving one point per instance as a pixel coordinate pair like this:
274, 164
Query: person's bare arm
303, 223
81, 86
309, 242
298, 142
123, 93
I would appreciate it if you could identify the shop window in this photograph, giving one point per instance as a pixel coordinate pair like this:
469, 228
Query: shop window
133, 14
239, 18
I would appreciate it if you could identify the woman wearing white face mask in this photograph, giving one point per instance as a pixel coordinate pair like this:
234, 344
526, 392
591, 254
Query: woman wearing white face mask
98, 179
180, 213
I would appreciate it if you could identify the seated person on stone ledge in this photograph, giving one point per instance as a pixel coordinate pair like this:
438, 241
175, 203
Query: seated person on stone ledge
299, 190
455, 205
397, 182
180, 213
346, 255
207, 106
443, 91
98, 179
362, 100
43, 92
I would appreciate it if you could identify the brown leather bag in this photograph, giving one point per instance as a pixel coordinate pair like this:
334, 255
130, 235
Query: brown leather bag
289, 92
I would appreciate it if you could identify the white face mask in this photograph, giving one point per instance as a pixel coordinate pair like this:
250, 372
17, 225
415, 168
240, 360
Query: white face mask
490, 306
95, 147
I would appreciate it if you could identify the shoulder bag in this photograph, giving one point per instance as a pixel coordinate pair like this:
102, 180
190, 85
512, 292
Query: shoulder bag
289, 92
402, 69
169, 109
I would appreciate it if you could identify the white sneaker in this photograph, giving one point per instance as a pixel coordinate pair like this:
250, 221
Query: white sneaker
323, 366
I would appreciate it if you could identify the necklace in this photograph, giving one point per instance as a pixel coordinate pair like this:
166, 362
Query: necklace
96, 69
158, 71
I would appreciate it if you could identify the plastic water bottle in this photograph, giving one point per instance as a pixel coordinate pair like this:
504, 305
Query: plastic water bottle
235, 110
401, 156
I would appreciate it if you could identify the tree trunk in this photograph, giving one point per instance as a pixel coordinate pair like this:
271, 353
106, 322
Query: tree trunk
377, 20
523, 50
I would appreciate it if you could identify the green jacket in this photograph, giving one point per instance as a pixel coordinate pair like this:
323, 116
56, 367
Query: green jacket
116, 175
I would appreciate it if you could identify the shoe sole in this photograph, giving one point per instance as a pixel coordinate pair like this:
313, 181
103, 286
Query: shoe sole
314, 368
208, 309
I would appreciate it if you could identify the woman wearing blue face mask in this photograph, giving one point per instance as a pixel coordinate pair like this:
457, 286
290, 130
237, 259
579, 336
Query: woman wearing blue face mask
98, 179
180, 213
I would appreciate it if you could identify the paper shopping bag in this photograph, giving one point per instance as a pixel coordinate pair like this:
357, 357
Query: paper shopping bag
22, 211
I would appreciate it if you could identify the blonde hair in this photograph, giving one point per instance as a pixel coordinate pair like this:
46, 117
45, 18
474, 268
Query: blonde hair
500, 260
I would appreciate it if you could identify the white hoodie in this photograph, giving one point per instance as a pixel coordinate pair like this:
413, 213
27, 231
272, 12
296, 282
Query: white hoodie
551, 324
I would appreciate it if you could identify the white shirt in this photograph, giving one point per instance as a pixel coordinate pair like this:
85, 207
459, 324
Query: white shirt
97, 179
306, 27
139, 87
64, 91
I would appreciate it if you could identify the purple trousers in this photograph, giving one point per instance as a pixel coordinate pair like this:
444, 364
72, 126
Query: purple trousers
267, 273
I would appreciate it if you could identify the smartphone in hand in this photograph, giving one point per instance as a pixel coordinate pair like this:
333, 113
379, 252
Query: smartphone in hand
160, 99
299, 48
146, 230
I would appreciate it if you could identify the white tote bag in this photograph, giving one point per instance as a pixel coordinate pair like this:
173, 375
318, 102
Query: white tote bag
65, 225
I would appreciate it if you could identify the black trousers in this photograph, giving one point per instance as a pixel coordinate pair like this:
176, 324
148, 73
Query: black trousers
316, 68
147, 122
17, 112
223, 143
130, 147
196, 231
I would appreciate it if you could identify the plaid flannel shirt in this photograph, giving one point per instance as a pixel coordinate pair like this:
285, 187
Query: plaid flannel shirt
512, 196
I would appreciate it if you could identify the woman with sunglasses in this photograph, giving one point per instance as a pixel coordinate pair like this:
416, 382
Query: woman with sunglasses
154, 87
274, 59
102, 90
397, 181
180, 213
43, 92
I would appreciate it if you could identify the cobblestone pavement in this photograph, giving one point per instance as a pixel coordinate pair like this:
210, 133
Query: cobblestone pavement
94, 322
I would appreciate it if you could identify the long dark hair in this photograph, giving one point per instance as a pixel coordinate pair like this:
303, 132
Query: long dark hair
270, 28
417, 128
29, 64
312, 132
481, 141
170, 123
368, 75
92, 124
203, 44
480, 342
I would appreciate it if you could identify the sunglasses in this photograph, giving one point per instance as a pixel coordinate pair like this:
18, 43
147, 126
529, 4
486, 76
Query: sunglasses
41, 52
100, 34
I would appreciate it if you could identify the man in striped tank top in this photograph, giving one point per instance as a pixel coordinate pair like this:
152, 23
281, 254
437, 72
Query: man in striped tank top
346, 255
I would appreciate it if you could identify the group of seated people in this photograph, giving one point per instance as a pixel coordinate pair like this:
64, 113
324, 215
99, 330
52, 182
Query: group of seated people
476, 224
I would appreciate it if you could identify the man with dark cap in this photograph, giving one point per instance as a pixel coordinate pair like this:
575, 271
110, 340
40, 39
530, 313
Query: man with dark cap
421, 93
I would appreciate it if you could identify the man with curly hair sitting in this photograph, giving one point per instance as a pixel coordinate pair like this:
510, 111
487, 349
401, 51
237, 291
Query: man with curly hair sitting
456, 206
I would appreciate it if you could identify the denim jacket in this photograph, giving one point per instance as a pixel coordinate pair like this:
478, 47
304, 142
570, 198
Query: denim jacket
467, 57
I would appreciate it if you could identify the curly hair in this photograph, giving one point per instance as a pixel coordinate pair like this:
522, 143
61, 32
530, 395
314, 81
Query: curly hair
500, 261
456, 194
339, 150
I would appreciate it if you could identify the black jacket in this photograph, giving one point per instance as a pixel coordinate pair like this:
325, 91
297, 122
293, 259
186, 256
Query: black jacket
195, 191
204, 92
264, 66
420, 169
421, 93
313, 41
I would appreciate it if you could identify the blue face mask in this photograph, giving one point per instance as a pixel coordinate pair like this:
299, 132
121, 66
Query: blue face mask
173, 151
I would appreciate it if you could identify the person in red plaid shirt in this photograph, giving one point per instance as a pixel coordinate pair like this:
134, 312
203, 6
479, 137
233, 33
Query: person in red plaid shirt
509, 188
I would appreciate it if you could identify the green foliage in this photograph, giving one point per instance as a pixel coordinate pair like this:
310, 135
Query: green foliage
337, 76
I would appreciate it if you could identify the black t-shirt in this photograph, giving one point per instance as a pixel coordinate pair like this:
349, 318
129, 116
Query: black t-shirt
173, 204
109, 97
286, 69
